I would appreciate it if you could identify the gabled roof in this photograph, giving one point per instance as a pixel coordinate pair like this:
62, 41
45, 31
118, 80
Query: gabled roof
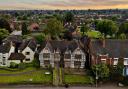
42, 46
28, 43
113, 47
14, 39
60, 46
5, 47
16, 56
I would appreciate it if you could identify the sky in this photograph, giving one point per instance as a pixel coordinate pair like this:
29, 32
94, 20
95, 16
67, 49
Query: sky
63, 4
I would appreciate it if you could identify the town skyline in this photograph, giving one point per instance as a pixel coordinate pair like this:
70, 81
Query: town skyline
62, 4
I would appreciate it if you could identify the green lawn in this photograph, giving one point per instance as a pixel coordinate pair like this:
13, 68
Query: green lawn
78, 79
15, 71
94, 34
34, 77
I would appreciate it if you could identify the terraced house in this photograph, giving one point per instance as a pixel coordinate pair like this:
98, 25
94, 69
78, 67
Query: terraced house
109, 51
70, 53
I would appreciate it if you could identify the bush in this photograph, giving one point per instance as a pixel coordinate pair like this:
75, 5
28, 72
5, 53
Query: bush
50, 68
22, 66
125, 81
36, 63
13, 65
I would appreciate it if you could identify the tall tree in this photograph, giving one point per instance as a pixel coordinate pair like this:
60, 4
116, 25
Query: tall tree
54, 28
4, 24
69, 17
24, 29
107, 27
123, 28
3, 34
84, 29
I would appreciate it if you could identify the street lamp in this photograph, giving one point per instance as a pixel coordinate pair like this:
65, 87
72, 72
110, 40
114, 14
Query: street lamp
96, 77
96, 72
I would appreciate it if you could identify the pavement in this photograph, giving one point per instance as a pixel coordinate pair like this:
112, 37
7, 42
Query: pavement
43, 87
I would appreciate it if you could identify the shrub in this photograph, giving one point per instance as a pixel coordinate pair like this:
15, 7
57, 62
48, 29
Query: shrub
36, 63
125, 81
22, 66
13, 65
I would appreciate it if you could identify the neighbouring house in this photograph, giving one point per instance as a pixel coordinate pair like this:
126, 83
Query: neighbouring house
109, 51
56, 52
28, 49
5, 51
13, 38
33, 27
78, 56
46, 54
16, 58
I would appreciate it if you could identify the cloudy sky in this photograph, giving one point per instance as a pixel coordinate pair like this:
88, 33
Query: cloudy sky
63, 4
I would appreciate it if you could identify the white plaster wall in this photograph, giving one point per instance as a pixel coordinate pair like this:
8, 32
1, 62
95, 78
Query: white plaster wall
30, 56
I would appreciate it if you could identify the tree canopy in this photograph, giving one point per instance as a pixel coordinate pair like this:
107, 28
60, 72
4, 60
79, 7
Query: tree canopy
69, 17
54, 28
3, 34
101, 70
24, 29
123, 28
84, 29
4, 24
107, 27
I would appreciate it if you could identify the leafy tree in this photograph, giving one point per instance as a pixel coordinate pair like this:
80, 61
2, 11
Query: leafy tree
123, 28
3, 34
24, 29
101, 70
69, 17
84, 29
4, 24
122, 36
54, 28
40, 38
58, 17
107, 27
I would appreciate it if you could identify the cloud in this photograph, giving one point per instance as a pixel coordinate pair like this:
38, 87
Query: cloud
63, 4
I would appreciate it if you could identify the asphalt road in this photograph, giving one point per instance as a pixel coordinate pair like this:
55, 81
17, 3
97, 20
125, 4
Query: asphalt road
41, 87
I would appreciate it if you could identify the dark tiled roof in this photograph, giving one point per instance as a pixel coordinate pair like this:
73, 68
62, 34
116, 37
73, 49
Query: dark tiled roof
14, 39
113, 47
5, 47
62, 46
16, 56
41, 46
28, 43
32, 44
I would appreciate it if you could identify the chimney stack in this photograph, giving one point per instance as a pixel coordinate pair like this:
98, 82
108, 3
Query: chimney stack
103, 43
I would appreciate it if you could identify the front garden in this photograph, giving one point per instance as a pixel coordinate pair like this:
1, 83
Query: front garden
26, 76
77, 77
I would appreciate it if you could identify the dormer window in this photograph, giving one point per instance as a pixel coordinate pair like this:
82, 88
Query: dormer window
67, 56
78, 56
46, 55
27, 53
56, 55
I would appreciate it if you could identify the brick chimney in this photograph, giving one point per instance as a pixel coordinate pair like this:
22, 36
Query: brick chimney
103, 43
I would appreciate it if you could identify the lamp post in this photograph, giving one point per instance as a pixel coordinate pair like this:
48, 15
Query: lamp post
96, 77
96, 72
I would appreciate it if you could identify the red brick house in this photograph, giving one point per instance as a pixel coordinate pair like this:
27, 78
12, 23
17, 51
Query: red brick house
109, 51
